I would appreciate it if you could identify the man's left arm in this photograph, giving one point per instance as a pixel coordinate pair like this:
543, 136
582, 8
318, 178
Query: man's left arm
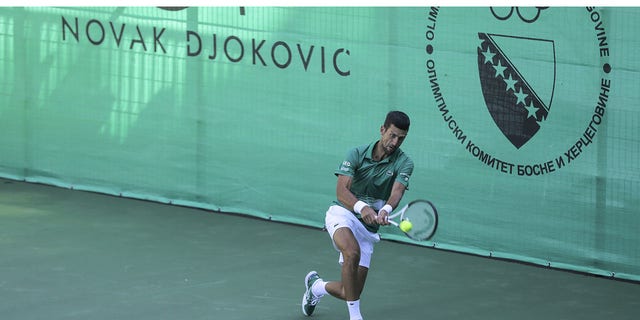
397, 191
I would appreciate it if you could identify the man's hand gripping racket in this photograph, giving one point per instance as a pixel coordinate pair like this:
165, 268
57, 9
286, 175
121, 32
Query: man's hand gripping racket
422, 216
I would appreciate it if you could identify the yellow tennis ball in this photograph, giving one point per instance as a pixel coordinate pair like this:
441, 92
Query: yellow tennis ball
406, 225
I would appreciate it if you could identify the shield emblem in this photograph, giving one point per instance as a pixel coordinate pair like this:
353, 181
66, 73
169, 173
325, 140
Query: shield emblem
517, 76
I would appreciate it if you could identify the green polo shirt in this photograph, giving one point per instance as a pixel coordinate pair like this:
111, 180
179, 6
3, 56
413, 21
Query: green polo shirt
373, 180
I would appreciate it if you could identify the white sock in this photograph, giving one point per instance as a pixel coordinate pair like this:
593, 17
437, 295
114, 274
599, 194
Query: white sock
318, 288
354, 310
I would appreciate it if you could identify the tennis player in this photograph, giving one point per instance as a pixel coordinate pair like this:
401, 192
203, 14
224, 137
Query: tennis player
371, 182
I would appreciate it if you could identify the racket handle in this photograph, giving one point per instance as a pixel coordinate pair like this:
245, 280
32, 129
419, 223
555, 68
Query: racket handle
393, 223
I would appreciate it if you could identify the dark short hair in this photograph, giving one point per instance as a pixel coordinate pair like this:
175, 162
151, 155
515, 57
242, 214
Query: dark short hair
399, 119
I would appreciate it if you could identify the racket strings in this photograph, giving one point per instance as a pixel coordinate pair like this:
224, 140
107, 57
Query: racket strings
423, 220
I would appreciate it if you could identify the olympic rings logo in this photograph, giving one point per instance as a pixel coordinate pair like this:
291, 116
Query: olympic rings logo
524, 14
172, 8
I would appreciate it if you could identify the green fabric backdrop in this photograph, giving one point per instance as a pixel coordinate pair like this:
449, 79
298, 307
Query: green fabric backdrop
250, 109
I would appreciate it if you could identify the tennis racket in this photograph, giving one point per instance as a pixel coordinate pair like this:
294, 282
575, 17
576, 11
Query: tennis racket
423, 216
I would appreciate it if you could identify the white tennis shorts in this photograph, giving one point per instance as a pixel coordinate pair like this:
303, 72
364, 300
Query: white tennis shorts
338, 217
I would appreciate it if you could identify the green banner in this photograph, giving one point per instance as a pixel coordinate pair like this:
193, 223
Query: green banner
524, 120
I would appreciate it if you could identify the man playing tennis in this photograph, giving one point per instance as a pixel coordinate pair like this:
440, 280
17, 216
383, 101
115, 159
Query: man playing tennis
371, 182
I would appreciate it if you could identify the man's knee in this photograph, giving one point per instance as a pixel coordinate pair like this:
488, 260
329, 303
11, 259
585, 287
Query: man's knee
347, 244
351, 254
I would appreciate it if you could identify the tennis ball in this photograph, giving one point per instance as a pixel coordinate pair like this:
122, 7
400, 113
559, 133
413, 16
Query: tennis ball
406, 225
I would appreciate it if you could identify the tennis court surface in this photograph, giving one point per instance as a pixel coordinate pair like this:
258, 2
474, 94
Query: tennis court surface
69, 254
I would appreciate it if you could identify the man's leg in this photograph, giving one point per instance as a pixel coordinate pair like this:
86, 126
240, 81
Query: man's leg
354, 259
353, 275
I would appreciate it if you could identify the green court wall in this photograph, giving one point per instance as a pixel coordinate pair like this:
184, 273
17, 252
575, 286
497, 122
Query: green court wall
524, 120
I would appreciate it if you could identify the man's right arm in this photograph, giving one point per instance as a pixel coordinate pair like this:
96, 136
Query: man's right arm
347, 198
